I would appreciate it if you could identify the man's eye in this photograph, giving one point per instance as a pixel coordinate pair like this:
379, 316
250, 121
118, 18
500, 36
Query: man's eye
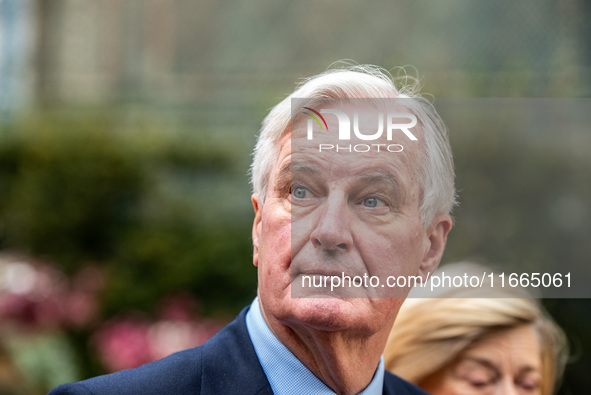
299, 192
372, 202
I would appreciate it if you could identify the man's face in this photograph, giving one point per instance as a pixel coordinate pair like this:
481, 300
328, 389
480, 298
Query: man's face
352, 214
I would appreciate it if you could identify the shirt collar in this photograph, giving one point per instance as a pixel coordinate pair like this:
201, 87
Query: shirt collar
286, 374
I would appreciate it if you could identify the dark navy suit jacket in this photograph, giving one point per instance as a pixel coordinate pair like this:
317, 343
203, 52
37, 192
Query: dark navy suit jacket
225, 364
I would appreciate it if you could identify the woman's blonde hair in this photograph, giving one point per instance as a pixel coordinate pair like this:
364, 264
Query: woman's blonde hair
430, 333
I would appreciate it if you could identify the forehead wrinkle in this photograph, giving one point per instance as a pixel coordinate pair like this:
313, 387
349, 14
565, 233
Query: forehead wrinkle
303, 169
481, 361
379, 177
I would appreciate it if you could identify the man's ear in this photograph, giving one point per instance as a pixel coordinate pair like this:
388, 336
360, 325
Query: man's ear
435, 244
256, 227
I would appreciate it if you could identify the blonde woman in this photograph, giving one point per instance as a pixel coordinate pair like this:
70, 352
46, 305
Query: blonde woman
476, 341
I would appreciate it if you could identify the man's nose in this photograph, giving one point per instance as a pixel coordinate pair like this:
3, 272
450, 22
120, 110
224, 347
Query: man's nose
332, 231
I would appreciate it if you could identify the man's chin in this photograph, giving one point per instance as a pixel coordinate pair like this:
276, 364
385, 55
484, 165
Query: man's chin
330, 313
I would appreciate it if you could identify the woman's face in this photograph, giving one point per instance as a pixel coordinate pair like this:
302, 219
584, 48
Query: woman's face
508, 362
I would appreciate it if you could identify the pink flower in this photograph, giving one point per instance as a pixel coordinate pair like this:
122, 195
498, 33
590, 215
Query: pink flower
128, 342
38, 296
123, 344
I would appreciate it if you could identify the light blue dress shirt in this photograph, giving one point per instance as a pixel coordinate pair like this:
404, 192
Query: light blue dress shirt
286, 374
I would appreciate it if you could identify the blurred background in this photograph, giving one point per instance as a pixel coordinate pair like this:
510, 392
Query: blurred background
126, 128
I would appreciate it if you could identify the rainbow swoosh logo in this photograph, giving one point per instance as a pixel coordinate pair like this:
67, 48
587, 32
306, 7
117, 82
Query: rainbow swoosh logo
316, 118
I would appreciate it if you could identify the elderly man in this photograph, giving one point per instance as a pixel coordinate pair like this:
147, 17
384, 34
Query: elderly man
342, 214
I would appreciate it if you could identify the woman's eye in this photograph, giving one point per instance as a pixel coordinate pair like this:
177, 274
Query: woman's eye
372, 202
480, 384
529, 385
479, 380
476, 377
299, 192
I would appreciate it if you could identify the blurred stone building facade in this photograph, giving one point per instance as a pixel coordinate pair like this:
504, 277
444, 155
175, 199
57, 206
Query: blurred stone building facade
186, 51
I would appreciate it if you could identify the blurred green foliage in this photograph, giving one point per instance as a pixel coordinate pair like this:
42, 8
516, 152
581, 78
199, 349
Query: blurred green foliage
143, 204
47, 360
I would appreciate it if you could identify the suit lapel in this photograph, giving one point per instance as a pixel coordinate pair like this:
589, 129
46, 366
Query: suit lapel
230, 364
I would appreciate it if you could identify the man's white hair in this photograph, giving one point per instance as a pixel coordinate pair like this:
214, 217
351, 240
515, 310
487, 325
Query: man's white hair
436, 172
